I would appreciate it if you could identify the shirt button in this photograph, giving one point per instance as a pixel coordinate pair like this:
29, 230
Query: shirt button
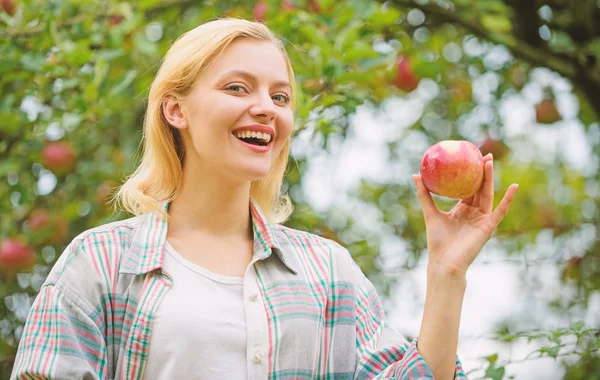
253, 297
257, 358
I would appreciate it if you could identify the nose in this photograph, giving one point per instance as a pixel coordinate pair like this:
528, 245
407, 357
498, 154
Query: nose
263, 107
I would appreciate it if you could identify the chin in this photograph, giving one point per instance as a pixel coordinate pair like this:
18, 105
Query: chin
254, 173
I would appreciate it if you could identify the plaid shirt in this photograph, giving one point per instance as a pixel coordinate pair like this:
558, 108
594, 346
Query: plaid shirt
319, 316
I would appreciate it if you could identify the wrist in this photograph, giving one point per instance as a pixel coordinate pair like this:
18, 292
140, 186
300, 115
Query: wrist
446, 270
442, 275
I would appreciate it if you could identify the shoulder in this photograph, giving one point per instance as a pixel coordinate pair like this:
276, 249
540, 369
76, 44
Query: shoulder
94, 254
117, 231
97, 239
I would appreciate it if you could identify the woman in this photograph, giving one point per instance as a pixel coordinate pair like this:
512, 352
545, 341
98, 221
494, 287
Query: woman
205, 283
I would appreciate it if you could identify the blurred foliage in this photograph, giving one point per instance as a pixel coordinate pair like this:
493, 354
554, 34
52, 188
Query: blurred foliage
78, 71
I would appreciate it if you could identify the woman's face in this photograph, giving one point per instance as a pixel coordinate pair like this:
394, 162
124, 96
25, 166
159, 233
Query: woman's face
246, 88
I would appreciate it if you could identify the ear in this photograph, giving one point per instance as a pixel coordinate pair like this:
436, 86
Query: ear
173, 110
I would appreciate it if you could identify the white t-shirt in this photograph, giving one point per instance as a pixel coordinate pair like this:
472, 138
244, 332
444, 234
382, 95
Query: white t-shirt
199, 331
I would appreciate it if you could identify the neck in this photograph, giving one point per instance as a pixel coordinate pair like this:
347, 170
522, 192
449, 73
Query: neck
217, 208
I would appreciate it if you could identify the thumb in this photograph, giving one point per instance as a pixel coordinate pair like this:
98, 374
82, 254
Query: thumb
430, 211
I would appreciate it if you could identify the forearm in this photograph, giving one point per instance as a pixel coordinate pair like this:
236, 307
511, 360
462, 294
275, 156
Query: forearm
438, 338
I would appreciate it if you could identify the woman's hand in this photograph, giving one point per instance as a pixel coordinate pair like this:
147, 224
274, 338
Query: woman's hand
455, 238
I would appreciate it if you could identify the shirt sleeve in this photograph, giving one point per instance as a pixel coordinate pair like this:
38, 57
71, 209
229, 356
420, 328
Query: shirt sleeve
383, 353
59, 341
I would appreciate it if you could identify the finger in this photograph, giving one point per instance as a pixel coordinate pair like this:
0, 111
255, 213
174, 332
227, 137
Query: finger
504, 204
477, 198
486, 202
467, 201
429, 209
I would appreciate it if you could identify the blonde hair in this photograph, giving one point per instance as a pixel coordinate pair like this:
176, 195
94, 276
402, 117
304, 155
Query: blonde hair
158, 177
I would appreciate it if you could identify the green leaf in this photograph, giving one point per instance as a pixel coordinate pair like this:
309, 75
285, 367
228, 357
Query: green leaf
495, 373
551, 351
384, 18
9, 166
125, 82
109, 55
314, 35
492, 358
427, 69
100, 71
577, 326
496, 23
345, 39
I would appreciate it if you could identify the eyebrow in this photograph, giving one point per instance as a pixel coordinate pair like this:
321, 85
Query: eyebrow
252, 77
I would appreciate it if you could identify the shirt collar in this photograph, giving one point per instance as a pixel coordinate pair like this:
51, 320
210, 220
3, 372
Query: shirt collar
146, 251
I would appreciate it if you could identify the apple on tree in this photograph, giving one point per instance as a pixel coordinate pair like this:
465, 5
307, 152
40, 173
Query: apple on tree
115, 20
546, 111
496, 147
406, 79
288, 5
453, 169
39, 220
59, 157
8, 6
260, 11
16, 255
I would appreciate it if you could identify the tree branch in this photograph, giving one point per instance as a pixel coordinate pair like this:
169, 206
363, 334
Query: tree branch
537, 55
588, 81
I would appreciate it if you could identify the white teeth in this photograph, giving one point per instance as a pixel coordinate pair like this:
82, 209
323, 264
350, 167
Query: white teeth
248, 134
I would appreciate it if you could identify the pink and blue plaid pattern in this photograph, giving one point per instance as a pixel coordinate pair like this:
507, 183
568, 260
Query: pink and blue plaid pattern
93, 316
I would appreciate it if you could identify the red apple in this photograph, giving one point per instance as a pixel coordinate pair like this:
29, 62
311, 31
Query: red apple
260, 11
8, 6
115, 20
405, 79
16, 255
59, 157
39, 220
496, 147
546, 112
288, 5
452, 169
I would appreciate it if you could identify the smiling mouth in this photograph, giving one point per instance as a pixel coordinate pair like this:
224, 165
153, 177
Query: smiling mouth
253, 141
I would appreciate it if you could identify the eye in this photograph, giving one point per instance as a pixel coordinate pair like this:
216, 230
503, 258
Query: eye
282, 98
236, 88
